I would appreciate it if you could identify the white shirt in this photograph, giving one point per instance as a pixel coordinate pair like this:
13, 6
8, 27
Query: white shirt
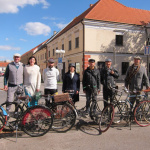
50, 77
32, 78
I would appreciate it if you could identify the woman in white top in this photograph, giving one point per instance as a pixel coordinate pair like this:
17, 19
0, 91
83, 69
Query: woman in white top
32, 77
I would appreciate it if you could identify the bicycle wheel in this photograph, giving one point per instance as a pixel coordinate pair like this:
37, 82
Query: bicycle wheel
14, 110
3, 119
142, 114
64, 117
121, 112
37, 120
106, 118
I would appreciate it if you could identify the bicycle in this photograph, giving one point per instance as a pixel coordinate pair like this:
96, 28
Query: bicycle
64, 113
125, 110
102, 117
34, 121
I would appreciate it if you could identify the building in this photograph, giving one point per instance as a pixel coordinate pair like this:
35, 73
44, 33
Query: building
107, 29
3, 65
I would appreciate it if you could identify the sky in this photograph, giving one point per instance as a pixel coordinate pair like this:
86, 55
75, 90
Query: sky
24, 24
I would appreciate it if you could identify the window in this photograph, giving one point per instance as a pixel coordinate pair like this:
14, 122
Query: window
125, 66
53, 52
69, 45
119, 40
148, 42
62, 47
77, 42
48, 53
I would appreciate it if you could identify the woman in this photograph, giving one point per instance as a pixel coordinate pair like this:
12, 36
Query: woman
71, 81
32, 79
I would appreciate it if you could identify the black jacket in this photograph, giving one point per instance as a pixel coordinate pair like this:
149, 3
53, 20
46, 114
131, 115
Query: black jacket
91, 78
108, 79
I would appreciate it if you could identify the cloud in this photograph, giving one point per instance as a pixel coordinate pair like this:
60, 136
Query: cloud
36, 28
60, 25
50, 18
6, 39
12, 6
9, 48
23, 40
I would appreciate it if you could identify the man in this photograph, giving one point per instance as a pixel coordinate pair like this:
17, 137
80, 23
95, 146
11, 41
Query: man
13, 77
91, 86
108, 75
50, 76
135, 76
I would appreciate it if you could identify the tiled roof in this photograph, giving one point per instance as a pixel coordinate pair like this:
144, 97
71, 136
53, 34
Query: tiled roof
3, 64
32, 50
112, 11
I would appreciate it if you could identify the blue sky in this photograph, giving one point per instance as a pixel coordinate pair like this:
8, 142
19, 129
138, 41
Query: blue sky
26, 23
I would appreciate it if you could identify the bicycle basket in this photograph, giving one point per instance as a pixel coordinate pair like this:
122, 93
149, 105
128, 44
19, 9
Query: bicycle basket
61, 97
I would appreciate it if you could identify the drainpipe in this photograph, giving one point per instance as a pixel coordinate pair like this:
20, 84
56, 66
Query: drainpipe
83, 44
147, 55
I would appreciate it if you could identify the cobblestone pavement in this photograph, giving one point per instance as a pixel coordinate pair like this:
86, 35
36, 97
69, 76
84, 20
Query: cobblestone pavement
84, 135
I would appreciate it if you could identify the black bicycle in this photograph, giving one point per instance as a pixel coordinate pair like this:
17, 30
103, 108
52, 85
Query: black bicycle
102, 117
34, 121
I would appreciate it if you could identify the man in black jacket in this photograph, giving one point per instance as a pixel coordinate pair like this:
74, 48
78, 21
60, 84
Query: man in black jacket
108, 75
91, 86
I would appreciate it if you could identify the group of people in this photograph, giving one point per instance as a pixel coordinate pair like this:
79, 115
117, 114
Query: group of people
29, 75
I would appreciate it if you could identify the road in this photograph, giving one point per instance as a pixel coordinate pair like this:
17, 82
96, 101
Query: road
82, 136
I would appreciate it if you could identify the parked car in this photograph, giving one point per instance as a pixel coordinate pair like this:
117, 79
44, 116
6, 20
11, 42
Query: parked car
1, 73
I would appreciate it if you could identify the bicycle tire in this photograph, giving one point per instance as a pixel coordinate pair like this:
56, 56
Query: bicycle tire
106, 118
64, 117
13, 113
121, 112
142, 113
37, 120
3, 120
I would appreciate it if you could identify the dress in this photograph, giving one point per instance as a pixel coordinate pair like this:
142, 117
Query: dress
32, 79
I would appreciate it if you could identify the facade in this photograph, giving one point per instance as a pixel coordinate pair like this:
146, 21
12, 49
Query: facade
3, 65
117, 32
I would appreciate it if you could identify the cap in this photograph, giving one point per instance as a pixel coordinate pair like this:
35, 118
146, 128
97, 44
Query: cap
51, 60
71, 65
137, 57
91, 60
108, 60
17, 55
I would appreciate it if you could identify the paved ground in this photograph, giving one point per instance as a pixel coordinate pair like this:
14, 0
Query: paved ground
82, 136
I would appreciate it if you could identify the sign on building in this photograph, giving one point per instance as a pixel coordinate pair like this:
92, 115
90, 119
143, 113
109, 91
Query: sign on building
59, 60
147, 50
60, 65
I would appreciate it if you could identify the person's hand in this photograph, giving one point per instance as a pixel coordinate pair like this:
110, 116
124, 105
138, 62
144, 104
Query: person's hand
98, 91
112, 72
84, 91
77, 92
5, 87
37, 90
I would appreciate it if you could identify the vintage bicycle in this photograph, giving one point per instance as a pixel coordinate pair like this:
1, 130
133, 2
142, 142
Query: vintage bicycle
34, 121
125, 110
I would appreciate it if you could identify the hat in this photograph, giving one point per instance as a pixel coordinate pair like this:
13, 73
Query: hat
91, 60
71, 65
108, 60
17, 55
137, 57
51, 60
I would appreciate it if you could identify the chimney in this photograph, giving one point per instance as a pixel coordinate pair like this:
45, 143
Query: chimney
54, 32
91, 5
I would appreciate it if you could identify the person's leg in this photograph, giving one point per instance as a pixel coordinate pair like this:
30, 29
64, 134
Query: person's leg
105, 97
46, 92
88, 99
93, 106
10, 95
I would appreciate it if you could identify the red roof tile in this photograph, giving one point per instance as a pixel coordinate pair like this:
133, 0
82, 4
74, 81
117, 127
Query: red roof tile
4, 64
